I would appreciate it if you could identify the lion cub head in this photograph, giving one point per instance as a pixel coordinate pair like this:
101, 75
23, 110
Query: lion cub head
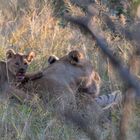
17, 63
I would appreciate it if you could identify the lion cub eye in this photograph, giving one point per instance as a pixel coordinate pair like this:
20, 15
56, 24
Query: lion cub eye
17, 64
25, 63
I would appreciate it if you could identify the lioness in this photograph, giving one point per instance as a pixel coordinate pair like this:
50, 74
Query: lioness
14, 70
105, 101
59, 85
72, 70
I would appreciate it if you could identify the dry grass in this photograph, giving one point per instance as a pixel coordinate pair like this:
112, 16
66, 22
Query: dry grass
35, 26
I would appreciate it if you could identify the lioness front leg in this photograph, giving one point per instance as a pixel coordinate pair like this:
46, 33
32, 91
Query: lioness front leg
32, 76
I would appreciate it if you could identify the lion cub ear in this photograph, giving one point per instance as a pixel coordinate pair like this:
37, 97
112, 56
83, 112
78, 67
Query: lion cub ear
75, 57
52, 59
10, 54
30, 56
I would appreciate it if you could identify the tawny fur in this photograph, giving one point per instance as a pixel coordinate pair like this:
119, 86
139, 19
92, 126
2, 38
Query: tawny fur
60, 84
16, 63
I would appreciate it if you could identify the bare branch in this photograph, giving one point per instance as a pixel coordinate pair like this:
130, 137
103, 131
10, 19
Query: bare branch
98, 35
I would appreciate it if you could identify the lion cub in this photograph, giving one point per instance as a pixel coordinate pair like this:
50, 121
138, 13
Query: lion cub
13, 71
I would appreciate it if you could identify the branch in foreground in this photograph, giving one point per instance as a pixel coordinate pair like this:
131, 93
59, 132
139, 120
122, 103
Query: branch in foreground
98, 35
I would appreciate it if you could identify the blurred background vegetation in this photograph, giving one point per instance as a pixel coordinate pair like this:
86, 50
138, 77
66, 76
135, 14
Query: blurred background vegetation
38, 25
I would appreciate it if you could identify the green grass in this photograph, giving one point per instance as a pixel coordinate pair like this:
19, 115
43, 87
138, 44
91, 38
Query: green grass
21, 122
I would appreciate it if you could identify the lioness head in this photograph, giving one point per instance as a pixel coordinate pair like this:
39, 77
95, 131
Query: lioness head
88, 80
17, 63
77, 71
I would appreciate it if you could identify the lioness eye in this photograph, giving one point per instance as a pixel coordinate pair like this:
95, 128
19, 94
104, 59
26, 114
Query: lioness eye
17, 63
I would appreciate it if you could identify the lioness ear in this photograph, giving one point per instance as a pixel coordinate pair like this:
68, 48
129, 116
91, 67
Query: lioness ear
52, 59
75, 57
30, 56
97, 77
10, 54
